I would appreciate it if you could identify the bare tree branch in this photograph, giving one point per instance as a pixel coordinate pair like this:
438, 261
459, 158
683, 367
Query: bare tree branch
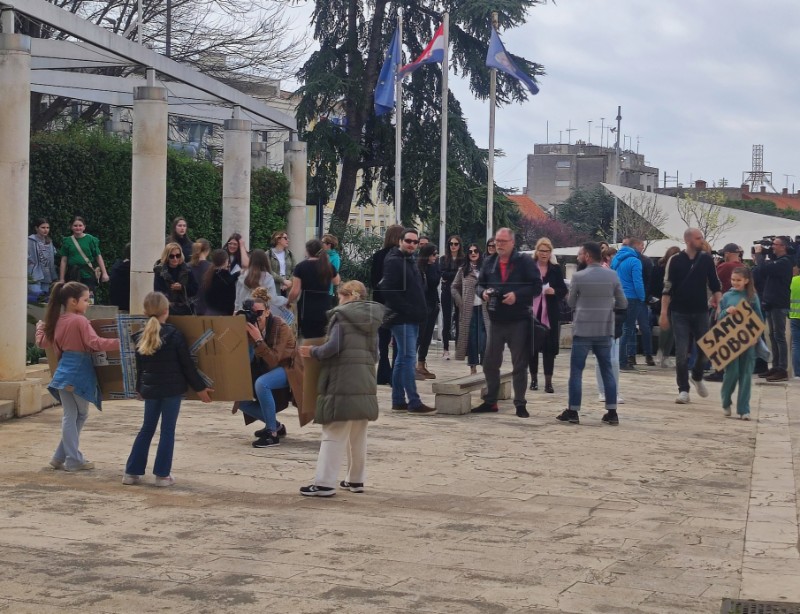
706, 214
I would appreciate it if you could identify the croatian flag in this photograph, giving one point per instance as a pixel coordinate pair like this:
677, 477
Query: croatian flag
497, 57
432, 54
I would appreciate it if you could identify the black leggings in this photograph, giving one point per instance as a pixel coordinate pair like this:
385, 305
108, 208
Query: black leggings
426, 334
549, 361
449, 311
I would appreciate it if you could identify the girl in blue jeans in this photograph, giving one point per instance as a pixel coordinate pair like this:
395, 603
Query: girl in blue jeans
163, 370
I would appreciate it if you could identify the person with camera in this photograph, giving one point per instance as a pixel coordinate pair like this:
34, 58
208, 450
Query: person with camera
689, 276
404, 296
508, 282
775, 273
275, 367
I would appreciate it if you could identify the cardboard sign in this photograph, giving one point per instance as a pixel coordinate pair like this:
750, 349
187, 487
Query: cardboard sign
218, 345
732, 335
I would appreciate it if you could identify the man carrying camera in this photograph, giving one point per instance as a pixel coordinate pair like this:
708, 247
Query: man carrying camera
508, 282
776, 276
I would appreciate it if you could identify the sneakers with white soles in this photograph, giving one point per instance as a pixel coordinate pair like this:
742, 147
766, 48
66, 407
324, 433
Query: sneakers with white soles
682, 398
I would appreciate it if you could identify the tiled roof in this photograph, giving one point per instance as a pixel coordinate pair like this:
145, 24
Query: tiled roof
527, 207
781, 202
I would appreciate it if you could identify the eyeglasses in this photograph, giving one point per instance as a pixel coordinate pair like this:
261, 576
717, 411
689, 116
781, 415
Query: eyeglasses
175, 256
411, 241
474, 251
454, 243
502, 240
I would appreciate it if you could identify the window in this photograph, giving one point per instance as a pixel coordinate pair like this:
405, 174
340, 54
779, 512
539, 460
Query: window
563, 183
564, 164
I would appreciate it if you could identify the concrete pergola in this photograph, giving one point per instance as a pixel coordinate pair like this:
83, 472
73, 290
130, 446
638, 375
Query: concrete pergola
48, 67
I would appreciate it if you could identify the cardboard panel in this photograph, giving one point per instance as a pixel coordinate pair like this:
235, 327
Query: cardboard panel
732, 336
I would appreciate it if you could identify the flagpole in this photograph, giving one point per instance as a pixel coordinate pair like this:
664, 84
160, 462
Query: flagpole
443, 162
398, 126
490, 178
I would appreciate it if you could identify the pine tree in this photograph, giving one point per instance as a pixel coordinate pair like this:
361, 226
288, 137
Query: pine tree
339, 81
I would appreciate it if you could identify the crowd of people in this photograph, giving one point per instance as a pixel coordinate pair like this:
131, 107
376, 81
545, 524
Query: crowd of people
483, 302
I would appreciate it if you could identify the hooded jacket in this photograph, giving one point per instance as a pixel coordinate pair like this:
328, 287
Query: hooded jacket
629, 269
402, 289
347, 383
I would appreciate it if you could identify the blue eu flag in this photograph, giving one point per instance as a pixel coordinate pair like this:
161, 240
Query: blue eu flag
497, 57
384, 90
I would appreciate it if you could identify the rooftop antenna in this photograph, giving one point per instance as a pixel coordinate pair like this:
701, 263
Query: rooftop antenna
787, 181
638, 138
757, 176
589, 139
602, 129
569, 130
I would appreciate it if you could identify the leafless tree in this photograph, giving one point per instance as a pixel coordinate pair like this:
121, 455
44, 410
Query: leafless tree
641, 216
705, 212
239, 42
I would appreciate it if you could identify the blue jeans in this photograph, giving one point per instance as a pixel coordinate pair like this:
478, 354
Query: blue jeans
643, 319
794, 325
601, 346
627, 347
403, 382
601, 387
264, 408
685, 327
167, 409
476, 342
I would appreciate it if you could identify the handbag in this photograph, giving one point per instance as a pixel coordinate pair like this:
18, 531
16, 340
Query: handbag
98, 273
539, 335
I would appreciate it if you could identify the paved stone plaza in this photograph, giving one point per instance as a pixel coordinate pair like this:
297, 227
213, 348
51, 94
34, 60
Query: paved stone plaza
672, 511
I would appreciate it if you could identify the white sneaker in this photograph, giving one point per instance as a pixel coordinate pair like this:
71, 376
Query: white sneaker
445, 355
620, 400
131, 480
726, 412
165, 482
699, 386
683, 398
601, 397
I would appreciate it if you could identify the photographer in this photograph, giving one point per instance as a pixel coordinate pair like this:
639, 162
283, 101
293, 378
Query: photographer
275, 367
775, 274
508, 282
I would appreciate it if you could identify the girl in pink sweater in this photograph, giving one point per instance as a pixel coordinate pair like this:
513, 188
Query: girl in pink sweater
74, 383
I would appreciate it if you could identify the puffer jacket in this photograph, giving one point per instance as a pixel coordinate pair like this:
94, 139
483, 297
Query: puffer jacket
167, 372
348, 386
629, 270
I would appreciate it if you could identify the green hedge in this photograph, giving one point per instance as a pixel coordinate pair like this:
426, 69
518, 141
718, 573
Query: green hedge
85, 172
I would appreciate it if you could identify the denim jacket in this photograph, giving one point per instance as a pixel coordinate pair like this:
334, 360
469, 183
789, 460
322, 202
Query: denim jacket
75, 370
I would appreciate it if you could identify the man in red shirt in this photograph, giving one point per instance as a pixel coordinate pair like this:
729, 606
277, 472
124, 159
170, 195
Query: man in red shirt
732, 258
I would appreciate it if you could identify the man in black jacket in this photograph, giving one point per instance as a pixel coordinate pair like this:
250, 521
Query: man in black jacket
777, 279
403, 294
508, 282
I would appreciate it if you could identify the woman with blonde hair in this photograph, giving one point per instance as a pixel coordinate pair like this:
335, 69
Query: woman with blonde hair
174, 279
546, 309
164, 369
348, 390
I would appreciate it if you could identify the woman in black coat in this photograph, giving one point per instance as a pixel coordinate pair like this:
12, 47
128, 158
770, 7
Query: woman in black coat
174, 279
429, 269
546, 309
219, 286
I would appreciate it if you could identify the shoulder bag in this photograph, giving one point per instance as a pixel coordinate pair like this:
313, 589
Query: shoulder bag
95, 270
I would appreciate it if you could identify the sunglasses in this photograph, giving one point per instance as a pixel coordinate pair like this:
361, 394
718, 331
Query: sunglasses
260, 312
174, 256
411, 241
474, 251
490, 246
456, 244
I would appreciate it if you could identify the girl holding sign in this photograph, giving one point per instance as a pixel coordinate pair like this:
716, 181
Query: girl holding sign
740, 370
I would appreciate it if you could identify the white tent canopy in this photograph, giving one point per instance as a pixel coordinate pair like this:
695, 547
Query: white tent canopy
747, 227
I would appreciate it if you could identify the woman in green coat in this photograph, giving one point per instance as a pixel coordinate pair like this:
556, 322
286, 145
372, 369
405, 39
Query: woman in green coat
348, 389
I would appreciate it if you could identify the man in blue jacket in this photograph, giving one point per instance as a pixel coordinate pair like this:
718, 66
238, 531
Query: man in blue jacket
403, 294
629, 270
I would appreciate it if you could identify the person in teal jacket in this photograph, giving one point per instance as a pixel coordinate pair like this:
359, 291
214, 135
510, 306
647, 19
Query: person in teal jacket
740, 370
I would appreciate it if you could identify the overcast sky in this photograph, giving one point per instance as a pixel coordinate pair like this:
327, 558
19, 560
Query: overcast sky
699, 82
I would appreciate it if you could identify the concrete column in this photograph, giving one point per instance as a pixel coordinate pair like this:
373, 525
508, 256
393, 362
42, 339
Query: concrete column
295, 167
15, 142
149, 188
236, 180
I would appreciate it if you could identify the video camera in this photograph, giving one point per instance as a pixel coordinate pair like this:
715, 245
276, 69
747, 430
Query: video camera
792, 247
247, 311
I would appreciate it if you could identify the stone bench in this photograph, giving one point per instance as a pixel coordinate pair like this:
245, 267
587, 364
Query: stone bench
453, 396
